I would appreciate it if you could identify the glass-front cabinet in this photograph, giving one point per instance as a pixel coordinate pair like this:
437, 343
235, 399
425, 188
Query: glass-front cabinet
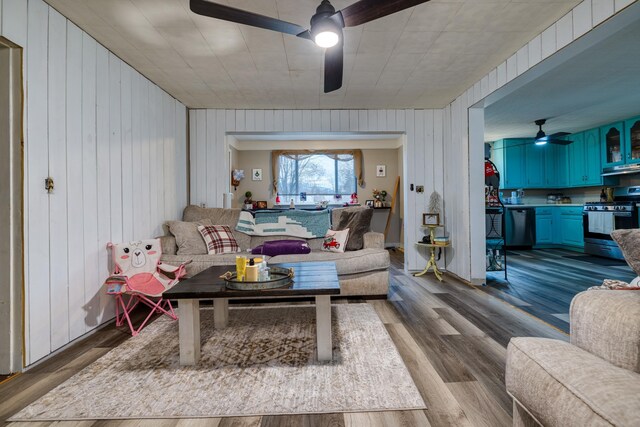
612, 137
632, 139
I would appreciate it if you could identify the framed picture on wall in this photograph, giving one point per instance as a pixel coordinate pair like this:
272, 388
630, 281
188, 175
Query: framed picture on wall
256, 175
381, 171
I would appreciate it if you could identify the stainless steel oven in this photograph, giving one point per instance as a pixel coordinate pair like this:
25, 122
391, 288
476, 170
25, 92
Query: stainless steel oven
601, 218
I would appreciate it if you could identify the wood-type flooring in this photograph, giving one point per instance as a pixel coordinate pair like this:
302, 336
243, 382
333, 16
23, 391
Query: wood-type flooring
451, 336
542, 282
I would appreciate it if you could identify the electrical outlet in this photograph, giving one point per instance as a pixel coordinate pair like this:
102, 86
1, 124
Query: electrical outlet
419, 188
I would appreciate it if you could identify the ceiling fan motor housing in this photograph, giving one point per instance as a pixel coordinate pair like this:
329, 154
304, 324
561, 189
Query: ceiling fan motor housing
326, 19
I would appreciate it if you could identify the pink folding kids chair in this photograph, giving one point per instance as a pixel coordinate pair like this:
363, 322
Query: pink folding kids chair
139, 274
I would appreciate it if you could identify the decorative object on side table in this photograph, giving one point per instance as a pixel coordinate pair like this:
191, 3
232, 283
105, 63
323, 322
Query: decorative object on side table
431, 219
248, 203
261, 204
369, 203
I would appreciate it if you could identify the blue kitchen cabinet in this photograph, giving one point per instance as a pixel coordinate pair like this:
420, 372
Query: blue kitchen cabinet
571, 230
556, 166
584, 159
632, 140
534, 166
577, 161
544, 226
593, 158
514, 164
613, 147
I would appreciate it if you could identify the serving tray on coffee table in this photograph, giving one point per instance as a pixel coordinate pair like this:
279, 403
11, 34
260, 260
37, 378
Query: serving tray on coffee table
279, 278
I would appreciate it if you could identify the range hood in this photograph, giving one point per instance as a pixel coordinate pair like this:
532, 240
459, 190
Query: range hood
621, 170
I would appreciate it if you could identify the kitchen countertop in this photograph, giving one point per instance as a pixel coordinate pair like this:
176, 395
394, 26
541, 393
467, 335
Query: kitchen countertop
543, 205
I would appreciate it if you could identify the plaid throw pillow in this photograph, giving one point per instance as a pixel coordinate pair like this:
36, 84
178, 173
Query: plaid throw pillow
219, 239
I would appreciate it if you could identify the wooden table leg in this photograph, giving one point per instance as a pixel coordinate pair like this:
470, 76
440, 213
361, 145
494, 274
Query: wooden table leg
189, 331
323, 327
220, 312
431, 264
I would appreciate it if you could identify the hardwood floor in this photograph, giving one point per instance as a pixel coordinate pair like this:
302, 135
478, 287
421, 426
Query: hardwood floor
542, 282
452, 338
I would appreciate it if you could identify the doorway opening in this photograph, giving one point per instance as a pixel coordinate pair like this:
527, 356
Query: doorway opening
11, 214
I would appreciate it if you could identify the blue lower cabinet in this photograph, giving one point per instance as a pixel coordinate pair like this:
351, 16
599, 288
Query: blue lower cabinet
544, 226
544, 230
571, 230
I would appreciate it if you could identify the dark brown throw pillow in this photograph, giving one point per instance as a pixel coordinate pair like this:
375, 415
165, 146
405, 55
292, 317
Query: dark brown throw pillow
358, 221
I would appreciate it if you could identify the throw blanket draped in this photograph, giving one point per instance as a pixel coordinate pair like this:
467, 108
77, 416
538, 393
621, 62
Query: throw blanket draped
307, 224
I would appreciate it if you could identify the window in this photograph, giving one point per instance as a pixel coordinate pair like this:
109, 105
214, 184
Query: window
320, 176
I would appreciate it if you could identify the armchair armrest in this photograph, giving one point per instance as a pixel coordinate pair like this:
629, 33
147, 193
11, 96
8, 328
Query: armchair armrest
168, 245
607, 324
373, 240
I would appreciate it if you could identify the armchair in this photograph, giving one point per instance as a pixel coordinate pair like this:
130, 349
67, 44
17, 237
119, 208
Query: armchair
592, 381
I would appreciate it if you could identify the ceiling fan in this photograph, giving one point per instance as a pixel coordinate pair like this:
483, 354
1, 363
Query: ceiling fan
542, 138
326, 26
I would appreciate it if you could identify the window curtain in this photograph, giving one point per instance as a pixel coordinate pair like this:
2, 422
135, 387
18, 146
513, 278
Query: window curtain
334, 154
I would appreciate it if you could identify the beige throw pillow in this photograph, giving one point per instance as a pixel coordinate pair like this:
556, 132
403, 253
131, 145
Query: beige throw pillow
629, 242
188, 238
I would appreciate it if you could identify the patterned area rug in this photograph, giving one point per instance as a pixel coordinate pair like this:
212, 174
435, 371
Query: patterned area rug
262, 363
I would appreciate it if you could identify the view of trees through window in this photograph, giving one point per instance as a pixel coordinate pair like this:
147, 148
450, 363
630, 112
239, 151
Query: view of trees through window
316, 175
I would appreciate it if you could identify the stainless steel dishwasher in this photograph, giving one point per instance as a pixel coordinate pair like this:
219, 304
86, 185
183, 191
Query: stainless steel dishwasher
521, 226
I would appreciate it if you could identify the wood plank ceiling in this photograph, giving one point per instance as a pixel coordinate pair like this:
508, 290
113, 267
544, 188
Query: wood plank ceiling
422, 57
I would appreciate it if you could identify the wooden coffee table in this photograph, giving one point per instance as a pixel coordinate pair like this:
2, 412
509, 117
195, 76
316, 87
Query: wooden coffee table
317, 279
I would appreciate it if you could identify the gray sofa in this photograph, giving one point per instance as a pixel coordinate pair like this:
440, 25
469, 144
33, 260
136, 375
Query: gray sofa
361, 272
592, 381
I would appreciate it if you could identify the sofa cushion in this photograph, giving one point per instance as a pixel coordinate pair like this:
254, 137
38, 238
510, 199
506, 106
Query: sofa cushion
358, 222
201, 262
219, 216
188, 239
219, 239
607, 324
346, 263
563, 385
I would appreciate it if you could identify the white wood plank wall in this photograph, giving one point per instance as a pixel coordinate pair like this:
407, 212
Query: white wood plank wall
423, 156
114, 143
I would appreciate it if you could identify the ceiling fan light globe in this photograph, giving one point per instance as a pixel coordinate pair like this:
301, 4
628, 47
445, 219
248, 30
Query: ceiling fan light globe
326, 39
541, 141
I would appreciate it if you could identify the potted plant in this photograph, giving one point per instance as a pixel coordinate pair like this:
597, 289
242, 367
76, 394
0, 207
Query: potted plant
248, 203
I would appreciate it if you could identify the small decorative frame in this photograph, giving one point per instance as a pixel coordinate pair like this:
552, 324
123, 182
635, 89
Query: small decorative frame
430, 219
261, 204
256, 175
381, 171
369, 203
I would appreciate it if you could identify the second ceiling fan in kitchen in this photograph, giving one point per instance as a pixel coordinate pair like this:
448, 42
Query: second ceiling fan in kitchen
326, 26
556, 138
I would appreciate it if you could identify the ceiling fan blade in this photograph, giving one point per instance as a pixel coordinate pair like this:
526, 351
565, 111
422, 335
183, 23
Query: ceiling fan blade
559, 141
364, 11
333, 67
559, 134
227, 13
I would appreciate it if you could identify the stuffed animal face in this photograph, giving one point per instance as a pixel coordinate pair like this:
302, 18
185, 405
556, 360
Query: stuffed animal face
137, 257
